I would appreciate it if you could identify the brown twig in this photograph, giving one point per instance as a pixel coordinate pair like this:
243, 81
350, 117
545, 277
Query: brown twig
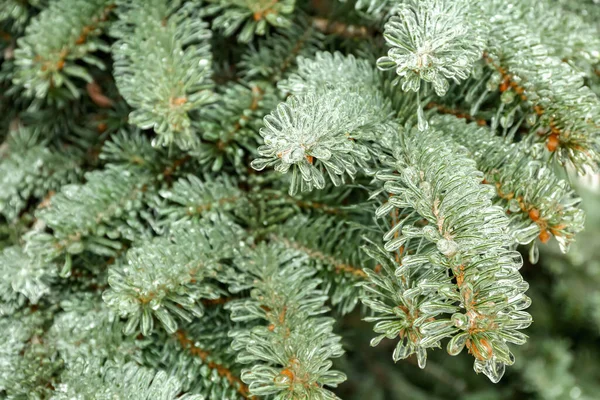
47, 64
340, 29
508, 82
218, 301
457, 113
95, 92
223, 371
175, 166
338, 266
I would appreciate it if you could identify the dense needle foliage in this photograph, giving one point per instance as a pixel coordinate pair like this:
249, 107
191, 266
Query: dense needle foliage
299, 199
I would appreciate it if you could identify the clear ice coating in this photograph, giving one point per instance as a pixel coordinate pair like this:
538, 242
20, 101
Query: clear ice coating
468, 281
446, 48
317, 125
457, 343
454, 278
422, 121
534, 253
447, 247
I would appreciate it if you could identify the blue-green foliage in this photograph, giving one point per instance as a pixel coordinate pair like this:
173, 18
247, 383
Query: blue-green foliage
224, 199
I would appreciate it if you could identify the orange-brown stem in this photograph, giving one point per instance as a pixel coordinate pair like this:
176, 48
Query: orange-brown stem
340, 29
338, 266
175, 166
223, 371
457, 113
81, 39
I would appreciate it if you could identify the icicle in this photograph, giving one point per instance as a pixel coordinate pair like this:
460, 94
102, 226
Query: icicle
496, 118
421, 357
534, 253
423, 125
494, 370
479, 102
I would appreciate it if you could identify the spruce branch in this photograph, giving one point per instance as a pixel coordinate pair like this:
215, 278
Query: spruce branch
17, 13
94, 215
254, 15
452, 257
539, 203
564, 108
291, 349
142, 256
199, 355
276, 54
191, 198
94, 380
16, 334
29, 367
167, 277
229, 128
87, 329
61, 35
131, 149
434, 41
162, 67
317, 128
566, 34
30, 169
312, 133
23, 276
222, 371
341, 267
330, 69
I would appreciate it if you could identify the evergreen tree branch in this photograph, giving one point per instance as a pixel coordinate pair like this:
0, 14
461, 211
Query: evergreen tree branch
29, 367
539, 203
127, 381
199, 355
29, 169
17, 13
94, 215
163, 67
229, 128
222, 371
567, 110
316, 128
192, 198
62, 34
167, 278
341, 267
433, 41
87, 329
291, 353
277, 53
131, 149
447, 225
154, 262
23, 277
254, 15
